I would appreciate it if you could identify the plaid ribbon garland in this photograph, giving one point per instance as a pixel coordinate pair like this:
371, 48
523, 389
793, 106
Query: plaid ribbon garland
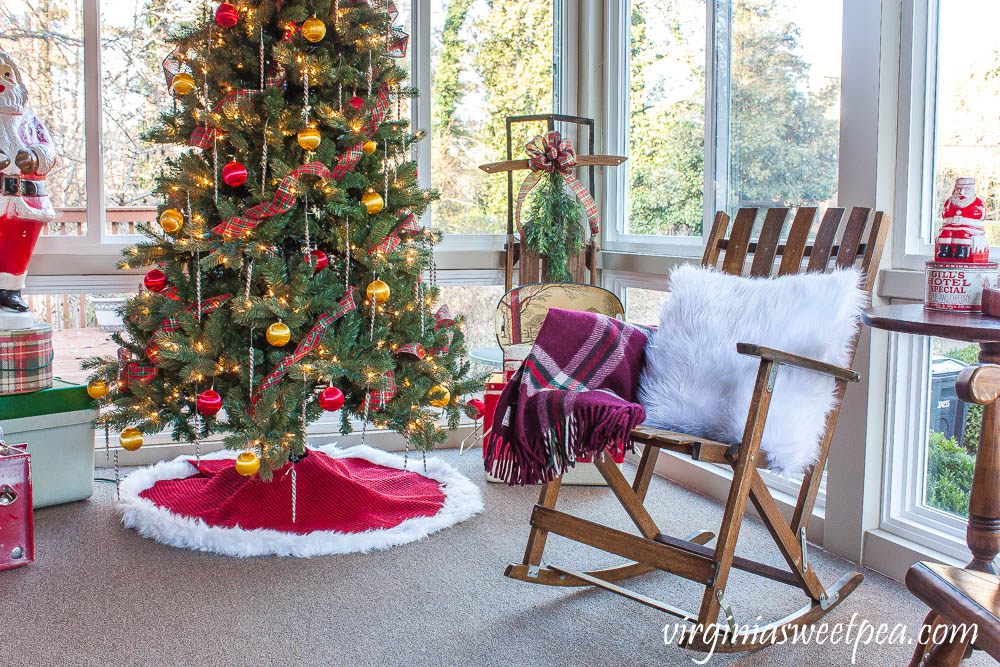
442, 319
382, 395
553, 154
171, 293
283, 200
305, 346
201, 137
138, 371
408, 225
207, 306
416, 350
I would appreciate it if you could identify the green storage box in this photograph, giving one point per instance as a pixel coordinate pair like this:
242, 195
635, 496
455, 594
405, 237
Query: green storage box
55, 423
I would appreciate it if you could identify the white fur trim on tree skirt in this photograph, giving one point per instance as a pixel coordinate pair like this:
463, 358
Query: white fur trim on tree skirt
462, 501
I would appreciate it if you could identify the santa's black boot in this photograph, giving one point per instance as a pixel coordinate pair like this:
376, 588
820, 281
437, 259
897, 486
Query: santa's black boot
11, 299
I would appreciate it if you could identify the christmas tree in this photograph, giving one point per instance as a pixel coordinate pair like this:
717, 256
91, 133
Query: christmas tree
287, 261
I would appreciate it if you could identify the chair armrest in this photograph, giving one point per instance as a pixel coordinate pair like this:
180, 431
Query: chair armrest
804, 363
979, 384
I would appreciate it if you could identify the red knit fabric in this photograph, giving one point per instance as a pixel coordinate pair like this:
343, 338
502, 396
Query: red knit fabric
348, 495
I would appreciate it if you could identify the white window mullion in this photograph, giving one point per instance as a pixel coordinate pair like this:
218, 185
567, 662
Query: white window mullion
93, 117
420, 114
718, 98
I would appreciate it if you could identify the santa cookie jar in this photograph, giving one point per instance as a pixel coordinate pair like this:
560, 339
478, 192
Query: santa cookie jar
961, 264
26, 155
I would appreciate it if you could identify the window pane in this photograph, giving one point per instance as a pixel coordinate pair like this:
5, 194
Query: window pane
135, 93
643, 306
666, 117
953, 429
45, 38
489, 60
82, 325
967, 129
478, 303
784, 115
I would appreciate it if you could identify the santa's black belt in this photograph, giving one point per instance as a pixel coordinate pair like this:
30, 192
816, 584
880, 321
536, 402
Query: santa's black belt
12, 185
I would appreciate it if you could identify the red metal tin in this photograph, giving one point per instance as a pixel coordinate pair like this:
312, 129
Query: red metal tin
17, 541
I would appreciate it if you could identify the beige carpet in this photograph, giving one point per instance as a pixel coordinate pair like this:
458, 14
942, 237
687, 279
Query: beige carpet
98, 594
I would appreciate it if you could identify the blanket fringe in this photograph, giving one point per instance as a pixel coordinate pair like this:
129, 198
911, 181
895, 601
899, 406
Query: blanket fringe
588, 432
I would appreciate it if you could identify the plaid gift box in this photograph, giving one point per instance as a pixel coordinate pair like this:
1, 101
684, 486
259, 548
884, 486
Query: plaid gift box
25, 359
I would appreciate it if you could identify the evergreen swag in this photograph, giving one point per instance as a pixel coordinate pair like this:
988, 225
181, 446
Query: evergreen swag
226, 349
553, 228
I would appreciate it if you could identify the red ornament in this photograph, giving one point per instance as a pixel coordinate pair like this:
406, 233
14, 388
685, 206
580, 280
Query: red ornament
226, 15
318, 260
153, 352
234, 174
331, 399
155, 280
475, 408
209, 402
357, 102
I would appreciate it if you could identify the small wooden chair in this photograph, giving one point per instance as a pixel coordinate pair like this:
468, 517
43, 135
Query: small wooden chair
842, 245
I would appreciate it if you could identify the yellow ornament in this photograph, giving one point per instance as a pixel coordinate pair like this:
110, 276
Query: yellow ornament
313, 29
369, 146
309, 138
439, 396
171, 220
247, 464
372, 201
278, 334
378, 291
97, 389
130, 439
182, 83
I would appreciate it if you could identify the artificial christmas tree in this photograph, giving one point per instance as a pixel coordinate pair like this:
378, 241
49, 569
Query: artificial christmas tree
291, 251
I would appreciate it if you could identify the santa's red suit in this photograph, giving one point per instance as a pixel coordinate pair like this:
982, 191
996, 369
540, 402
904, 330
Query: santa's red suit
26, 155
963, 238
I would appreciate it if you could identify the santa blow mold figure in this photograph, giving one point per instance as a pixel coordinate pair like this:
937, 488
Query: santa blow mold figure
962, 237
26, 155
961, 265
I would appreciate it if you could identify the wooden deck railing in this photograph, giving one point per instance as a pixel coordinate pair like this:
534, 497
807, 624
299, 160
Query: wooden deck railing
119, 220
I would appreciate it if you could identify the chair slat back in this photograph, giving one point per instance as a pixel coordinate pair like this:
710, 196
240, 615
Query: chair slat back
798, 238
767, 242
735, 247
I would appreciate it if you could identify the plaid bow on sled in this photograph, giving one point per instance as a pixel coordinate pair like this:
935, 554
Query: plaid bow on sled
553, 154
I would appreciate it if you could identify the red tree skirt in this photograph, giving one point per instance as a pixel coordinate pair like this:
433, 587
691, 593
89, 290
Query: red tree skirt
351, 500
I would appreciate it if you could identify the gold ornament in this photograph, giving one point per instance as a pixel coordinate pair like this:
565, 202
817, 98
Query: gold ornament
378, 291
439, 396
171, 220
372, 201
182, 83
309, 138
130, 439
247, 464
97, 389
369, 146
313, 29
278, 334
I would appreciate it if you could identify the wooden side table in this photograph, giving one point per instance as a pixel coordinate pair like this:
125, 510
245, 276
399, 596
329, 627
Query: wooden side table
983, 532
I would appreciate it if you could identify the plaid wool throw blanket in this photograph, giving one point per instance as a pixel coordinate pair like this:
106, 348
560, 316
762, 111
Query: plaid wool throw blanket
573, 396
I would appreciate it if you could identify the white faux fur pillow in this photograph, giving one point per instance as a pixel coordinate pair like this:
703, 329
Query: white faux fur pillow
696, 383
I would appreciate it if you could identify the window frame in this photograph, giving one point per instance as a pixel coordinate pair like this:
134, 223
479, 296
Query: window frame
79, 258
903, 511
616, 130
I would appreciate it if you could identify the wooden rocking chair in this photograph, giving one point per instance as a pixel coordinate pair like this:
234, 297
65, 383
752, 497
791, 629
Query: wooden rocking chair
689, 557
